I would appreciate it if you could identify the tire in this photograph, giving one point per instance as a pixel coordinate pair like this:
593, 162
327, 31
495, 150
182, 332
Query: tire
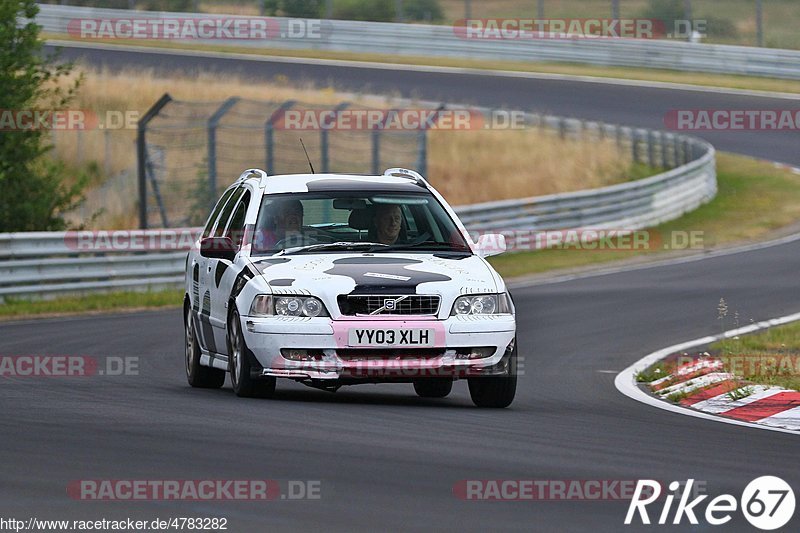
199, 376
496, 391
433, 387
241, 361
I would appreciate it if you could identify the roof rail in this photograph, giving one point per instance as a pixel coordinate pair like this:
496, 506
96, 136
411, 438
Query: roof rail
254, 173
406, 173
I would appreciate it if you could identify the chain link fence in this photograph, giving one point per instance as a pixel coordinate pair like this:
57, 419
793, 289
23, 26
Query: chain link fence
189, 152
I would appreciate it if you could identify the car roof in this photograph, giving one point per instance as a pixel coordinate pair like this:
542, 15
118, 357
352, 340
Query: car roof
338, 182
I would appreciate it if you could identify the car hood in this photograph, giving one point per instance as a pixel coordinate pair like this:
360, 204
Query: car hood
332, 274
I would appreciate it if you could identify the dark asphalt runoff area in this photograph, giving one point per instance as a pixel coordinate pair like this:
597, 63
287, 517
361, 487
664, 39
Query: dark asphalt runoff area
386, 459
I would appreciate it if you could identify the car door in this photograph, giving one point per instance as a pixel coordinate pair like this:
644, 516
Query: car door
223, 273
201, 271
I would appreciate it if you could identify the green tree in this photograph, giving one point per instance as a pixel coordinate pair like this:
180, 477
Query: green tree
34, 192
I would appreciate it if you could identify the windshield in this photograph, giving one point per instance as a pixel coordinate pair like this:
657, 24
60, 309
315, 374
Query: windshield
365, 221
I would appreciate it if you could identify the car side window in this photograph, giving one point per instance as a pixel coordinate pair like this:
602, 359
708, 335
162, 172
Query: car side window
235, 228
225, 215
215, 213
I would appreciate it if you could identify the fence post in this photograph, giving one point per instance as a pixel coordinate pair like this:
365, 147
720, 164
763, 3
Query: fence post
635, 145
376, 142
323, 138
422, 144
269, 128
676, 159
107, 151
213, 122
651, 149
663, 138
141, 155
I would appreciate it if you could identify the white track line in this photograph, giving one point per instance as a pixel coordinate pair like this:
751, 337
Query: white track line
625, 382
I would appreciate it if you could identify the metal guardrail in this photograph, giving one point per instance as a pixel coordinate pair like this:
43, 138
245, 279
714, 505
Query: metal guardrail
421, 40
46, 264
51, 263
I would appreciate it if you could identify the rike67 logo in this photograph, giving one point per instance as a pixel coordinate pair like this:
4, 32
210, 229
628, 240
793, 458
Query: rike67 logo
767, 503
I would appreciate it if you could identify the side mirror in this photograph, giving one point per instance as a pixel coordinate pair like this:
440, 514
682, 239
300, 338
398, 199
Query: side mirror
490, 244
218, 248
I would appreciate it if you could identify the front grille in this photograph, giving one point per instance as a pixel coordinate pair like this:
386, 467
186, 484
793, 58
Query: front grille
388, 354
410, 304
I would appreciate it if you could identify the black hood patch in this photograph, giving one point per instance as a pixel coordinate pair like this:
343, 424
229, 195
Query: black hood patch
264, 264
383, 275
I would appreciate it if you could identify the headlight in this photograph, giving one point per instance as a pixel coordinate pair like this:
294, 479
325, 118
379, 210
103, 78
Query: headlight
308, 306
481, 304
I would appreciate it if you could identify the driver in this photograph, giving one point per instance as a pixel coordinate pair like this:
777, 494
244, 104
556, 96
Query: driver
387, 222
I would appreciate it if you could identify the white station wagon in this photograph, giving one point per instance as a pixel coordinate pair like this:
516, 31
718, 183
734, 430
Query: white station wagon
336, 279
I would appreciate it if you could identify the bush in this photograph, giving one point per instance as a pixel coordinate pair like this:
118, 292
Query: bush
667, 11
719, 27
303, 8
373, 10
427, 10
35, 191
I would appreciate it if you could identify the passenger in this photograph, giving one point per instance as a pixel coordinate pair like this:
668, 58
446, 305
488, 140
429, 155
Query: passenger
287, 225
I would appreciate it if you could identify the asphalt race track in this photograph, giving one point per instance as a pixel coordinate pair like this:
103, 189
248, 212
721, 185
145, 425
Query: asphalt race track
385, 459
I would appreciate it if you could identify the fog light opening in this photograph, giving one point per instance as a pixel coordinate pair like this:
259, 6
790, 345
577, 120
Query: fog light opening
299, 354
475, 353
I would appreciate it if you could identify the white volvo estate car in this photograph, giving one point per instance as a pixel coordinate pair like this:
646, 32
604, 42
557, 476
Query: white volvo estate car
335, 279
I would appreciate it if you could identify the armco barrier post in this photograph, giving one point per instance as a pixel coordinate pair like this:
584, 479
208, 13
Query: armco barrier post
141, 155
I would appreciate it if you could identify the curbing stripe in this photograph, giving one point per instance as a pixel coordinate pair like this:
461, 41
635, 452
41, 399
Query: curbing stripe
720, 404
722, 387
766, 407
625, 382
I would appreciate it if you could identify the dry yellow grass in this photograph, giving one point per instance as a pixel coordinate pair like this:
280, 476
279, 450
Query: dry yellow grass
480, 166
467, 166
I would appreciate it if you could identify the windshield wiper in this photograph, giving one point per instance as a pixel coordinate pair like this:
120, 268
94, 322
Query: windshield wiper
344, 245
437, 245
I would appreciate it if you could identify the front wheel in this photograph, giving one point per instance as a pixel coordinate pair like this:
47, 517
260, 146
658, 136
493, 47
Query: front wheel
433, 387
241, 362
496, 391
197, 375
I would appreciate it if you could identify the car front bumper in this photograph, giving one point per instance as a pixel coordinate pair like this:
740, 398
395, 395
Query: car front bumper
326, 355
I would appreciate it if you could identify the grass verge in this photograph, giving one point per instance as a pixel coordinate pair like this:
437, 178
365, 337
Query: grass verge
652, 75
113, 301
754, 199
771, 357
